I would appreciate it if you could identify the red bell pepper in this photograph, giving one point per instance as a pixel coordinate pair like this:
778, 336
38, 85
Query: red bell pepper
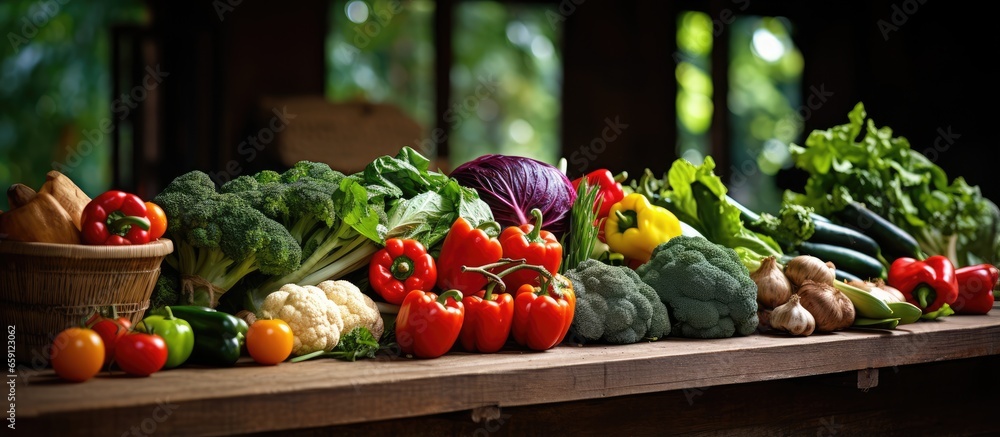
975, 289
611, 191
543, 314
400, 267
488, 315
929, 284
115, 218
465, 245
428, 325
536, 246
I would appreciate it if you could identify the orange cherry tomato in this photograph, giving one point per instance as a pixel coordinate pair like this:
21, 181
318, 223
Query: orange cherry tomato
77, 354
269, 341
157, 220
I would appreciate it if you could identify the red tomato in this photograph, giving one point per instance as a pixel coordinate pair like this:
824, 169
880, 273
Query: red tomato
269, 341
110, 330
141, 354
77, 354
157, 220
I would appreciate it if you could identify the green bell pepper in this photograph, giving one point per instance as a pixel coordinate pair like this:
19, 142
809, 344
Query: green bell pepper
177, 333
218, 336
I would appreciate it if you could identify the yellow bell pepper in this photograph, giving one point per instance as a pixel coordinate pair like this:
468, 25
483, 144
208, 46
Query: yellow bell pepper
635, 227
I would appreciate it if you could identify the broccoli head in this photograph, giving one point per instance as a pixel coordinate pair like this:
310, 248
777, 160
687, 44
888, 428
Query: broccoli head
220, 238
614, 305
707, 290
793, 225
167, 289
324, 211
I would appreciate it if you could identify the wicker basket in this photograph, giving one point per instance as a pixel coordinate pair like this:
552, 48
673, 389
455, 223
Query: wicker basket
45, 288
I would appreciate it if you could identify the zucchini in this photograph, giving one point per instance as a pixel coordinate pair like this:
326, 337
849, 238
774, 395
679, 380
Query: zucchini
859, 264
746, 214
892, 239
819, 218
842, 275
844, 236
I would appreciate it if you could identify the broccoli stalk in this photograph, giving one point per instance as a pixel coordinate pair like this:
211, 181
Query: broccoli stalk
330, 216
219, 239
337, 253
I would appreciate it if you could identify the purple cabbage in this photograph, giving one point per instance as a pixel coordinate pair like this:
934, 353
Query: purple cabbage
514, 185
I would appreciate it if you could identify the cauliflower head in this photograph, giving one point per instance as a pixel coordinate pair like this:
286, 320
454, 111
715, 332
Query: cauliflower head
319, 315
315, 320
356, 308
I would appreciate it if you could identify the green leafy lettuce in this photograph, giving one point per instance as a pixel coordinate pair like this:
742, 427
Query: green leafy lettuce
697, 196
861, 162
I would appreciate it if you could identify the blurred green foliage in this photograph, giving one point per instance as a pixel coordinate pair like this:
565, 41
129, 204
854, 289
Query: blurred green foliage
383, 51
694, 85
765, 74
506, 79
54, 86
506, 82
765, 93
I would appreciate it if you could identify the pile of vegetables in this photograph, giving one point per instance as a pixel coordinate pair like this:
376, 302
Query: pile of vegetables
859, 162
508, 252
304, 226
61, 213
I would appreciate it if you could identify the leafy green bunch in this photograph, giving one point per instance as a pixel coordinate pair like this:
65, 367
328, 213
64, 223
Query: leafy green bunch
861, 162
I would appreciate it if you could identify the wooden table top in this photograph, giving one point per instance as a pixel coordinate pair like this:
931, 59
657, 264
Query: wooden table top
252, 398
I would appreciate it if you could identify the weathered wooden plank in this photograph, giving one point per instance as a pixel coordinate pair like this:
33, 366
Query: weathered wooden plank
903, 404
250, 398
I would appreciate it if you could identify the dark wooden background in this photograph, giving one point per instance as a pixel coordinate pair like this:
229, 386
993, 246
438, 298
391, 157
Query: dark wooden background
930, 75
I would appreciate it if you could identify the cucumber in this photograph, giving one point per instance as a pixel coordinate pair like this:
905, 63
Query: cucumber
849, 260
843, 236
891, 238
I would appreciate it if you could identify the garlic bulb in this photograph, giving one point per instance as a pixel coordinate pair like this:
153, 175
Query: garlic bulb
831, 308
793, 318
809, 268
773, 288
